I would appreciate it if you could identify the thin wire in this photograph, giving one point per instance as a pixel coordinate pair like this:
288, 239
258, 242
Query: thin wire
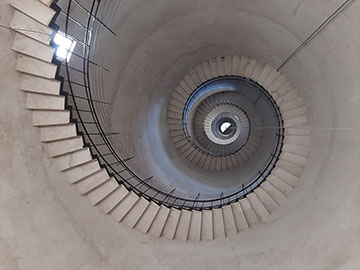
24, 30
318, 30
313, 128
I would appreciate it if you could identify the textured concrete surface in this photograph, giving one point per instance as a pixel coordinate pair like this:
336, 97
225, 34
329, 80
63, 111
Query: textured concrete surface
45, 224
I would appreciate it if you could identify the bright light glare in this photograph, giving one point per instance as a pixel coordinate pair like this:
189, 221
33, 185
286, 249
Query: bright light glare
66, 46
224, 126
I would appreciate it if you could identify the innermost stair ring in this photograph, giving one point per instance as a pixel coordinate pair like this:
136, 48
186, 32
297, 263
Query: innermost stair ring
226, 126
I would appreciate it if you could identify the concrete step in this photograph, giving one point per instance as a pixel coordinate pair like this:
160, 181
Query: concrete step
258, 207
229, 220
250, 68
175, 115
50, 118
175, 105
285, 88
289, 167
35, 84
295, 149
201, 73
65, 146
101, 192
207, 70
33, 48
182, 230
228, 65
207, 231
135, 213
274, 75
242, 66
290, 105
33, 66
113, 199
239, 216
30, 27
55, 133
192, 85
273, 192
181, 92
126, 204
179, 98
34, 9
175, 127
195, 226
264, 74
294, 159
81, 172
213, 68
235, 62
171, 224
300, 131
147, 218
73, 159
195, 78
218, 223
44, 102
249, 212
189, 153
220, 64
285, 175
92, 182
47, 2
159, 222
282, 186
270, 204
297, 140
295, 122
277, 85
228, 163
257, 71
294, 113
186, 89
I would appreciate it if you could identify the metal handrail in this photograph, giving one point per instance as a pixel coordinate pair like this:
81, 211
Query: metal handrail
96, 133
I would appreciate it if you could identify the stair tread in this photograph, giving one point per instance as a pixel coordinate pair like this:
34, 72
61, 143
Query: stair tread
78, 173
207, 232
171, 224
182, 230
282, 186
218, 223
90, 183
120, 210
65, 146
249, 212
147, 218
229, 220
258, 206
135, 213
270, 204
101, 192
273, 192
195, 226
159, 222
239, 216
113, 199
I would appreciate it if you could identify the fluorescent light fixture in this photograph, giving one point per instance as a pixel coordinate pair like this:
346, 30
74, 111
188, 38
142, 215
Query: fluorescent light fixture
66, 46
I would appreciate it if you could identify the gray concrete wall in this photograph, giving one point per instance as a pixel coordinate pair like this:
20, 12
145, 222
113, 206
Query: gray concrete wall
46, 224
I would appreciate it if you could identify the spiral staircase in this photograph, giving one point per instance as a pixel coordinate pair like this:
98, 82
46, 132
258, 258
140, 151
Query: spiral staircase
201, 223
228, 117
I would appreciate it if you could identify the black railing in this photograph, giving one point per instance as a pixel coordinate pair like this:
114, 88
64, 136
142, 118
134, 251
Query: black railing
81, 22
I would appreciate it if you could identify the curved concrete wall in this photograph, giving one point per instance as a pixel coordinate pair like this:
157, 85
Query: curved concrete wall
45, 224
